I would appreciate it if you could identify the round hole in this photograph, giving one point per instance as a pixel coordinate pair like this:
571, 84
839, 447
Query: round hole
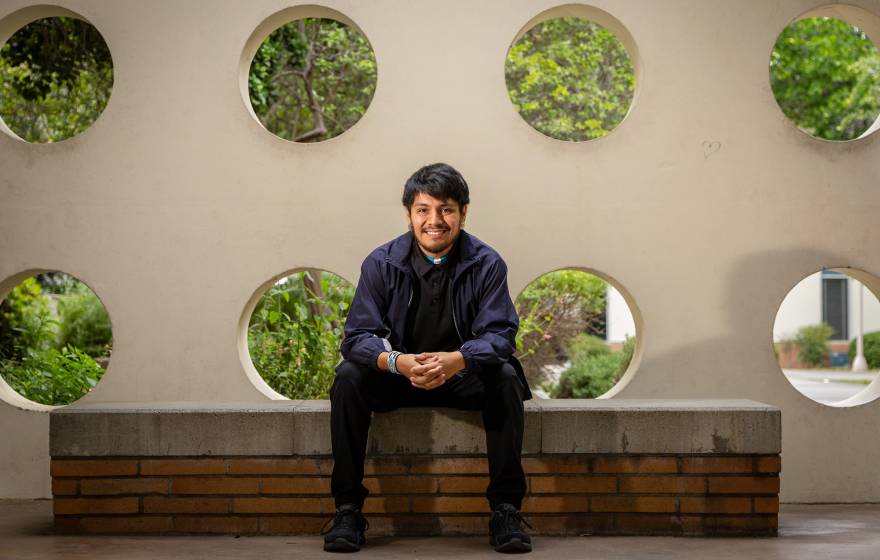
56, 75
55, 339
825, 73
311, 79
577, 335
295, 330
570, 77
816, 333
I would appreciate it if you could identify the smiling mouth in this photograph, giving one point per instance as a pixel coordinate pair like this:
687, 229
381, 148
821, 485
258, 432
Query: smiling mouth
436, 232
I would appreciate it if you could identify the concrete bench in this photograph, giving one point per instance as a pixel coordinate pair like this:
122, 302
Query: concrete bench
621, 467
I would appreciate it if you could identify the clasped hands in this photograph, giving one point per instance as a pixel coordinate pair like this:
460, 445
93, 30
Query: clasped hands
430, 370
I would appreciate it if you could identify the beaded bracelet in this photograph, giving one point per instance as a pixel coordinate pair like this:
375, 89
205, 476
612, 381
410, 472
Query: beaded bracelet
392, 362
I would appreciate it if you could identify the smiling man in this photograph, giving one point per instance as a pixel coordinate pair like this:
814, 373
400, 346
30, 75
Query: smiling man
431, 324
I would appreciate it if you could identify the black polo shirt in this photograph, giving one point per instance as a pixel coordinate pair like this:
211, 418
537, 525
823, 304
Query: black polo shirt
430, 326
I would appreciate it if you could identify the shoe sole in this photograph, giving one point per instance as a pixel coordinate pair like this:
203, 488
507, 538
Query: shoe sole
514, 545
341, 545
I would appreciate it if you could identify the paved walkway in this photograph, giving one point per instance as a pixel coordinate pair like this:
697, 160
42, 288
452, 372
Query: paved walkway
827, 386
839, 532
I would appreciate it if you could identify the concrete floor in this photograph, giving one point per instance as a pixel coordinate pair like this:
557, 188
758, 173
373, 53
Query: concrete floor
841, 532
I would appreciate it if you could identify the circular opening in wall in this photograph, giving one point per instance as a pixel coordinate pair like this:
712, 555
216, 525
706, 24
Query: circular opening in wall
56, 75
295, 330
816, 337
577, 335
311, 79
825, 73
569, 74
55, 339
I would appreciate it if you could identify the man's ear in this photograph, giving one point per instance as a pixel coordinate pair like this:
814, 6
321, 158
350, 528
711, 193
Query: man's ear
407, 218
463, 213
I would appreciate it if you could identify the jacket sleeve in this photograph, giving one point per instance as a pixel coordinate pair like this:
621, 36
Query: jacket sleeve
365, 330
494, 328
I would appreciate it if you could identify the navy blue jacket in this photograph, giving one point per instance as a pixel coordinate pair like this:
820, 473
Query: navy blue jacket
484, 315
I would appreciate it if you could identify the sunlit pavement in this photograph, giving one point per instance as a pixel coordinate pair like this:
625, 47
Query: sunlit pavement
827, 386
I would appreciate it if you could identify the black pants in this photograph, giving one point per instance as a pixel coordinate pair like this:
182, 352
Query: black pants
358, 391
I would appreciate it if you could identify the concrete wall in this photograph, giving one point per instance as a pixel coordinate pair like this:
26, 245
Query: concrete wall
177, 207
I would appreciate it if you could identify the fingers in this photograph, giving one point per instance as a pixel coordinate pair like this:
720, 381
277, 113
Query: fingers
433, 383
422, 368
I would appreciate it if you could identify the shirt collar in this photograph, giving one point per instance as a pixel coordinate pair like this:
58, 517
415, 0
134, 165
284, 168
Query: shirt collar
421, 265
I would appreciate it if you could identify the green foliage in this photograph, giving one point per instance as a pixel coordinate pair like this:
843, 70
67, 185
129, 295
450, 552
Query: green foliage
52, 376
825, 75
570, 78
871, 341
56, 75
552, 310
296, 330
51, 328
312, 79
83, 321
594, 370
26, 321
812, 340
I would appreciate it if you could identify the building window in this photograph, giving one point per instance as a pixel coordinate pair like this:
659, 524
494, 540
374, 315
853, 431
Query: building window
835, 305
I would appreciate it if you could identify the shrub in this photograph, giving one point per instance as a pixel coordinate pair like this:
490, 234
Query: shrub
594, 369
872, 349
584, 345
589, 378
295, 333
26, 321
52, 376
813, 344
553, 309
83, 321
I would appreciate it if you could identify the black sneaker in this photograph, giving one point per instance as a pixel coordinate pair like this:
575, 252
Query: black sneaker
347, 533
505, 532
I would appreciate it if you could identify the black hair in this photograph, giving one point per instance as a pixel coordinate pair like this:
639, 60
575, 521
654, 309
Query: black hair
439, 180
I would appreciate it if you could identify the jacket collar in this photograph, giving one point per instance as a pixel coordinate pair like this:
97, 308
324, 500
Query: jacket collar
399, 251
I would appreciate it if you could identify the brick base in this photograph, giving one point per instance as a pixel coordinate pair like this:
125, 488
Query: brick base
572, 494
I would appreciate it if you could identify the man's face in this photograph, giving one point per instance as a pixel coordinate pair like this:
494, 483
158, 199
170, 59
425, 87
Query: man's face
435, 223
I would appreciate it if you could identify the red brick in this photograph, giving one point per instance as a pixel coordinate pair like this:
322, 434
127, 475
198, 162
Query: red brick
769, 464
291, 465
572, 484
663, 484
276, 505
744, 485
716, 504
450, 504
298, 485
401, 485
385, 466
717, 464
624, 464
648, 524
386, 504
450, 465
767, 504
556, 464
463, 484
84, 506
406, 525
113, 486
633, 504
555, 504
162, 504
592, 524
93, 467
64, 487
114, 525
294, 525
755, 525
464, 524
151, 467
217, 525
220, 485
